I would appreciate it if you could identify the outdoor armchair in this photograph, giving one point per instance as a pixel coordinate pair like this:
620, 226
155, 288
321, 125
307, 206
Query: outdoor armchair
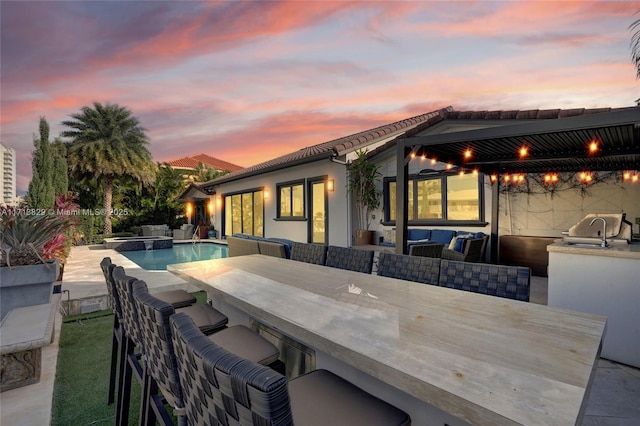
184, 233
426, 250
473, 251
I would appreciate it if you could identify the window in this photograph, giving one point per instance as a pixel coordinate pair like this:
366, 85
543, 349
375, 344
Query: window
437, 199
318, 204
244, 213
291, 200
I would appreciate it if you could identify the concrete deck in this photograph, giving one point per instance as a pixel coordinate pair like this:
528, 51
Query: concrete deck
613, 400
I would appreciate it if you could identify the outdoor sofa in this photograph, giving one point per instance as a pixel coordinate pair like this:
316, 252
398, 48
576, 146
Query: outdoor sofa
455, 243
155, 230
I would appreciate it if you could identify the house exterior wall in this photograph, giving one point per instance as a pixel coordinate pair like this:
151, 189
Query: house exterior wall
338, 206
531, 214
387, 162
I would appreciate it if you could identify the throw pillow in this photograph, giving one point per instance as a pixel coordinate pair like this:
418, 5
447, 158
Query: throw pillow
389, 236
452, 244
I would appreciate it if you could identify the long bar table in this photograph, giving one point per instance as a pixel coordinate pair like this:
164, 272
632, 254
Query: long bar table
482, 359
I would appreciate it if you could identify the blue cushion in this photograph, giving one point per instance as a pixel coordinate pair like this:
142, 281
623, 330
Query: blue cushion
460, 242
442, 236
239, 235
387, 244
418, 234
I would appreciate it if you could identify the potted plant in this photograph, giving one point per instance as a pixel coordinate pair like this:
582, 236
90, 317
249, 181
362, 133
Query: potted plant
28, 265
203, 229
213, 234
363, 177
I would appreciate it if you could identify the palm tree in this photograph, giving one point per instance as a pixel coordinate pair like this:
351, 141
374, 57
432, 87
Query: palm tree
204, 173
635, 45
108, 143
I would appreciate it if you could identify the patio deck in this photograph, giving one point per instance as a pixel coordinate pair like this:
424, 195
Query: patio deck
613, 399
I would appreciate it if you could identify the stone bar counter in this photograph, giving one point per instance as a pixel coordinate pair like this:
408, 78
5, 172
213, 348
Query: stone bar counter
442, 355
603, 281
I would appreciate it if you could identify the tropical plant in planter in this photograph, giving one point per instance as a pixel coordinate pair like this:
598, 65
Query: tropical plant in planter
363, 178
28, 264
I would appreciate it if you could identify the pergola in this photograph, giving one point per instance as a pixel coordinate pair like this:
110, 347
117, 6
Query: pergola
608, 141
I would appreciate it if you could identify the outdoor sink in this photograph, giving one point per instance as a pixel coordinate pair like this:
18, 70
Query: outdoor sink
592, 242
589, 245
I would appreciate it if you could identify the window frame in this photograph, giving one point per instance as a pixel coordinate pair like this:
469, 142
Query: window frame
225, 206
444, 221
310, 182
291, 184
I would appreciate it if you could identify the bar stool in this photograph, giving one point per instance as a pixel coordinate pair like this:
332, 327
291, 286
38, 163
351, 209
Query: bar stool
161, 367
350, 258
206, 318
178, 298
222, 388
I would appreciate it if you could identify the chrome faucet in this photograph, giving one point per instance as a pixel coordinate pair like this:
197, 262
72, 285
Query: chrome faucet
604, 230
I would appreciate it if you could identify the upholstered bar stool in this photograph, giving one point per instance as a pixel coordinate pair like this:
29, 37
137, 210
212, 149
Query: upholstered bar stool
222, 388
206, 317
116, 342
208, 321
161, 366
309, 253
350, 259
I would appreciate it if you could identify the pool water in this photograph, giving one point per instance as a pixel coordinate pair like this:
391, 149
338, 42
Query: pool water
157, 260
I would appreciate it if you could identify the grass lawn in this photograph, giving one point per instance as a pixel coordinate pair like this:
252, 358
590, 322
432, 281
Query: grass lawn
82, 374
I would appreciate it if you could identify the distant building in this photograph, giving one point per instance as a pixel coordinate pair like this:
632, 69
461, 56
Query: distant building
8, 176
190, 163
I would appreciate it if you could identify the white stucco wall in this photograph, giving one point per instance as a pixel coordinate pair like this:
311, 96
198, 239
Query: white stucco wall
338, 212
519, 214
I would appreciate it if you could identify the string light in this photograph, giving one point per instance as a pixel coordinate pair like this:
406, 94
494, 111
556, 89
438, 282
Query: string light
524, 151
467, 154
494, 178
449, 166
593, 147
586, 177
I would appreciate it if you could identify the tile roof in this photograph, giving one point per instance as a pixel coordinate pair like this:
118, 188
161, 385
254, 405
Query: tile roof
192, 161
332, 148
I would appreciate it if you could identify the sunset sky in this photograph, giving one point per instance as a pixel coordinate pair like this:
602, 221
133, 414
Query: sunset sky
249, 81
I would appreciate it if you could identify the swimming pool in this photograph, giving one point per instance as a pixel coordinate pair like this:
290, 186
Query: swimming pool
157, 260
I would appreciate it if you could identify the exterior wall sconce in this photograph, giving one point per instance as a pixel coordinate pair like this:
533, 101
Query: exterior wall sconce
219, 200
189, 209
330, 185
211, 208
265, 194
